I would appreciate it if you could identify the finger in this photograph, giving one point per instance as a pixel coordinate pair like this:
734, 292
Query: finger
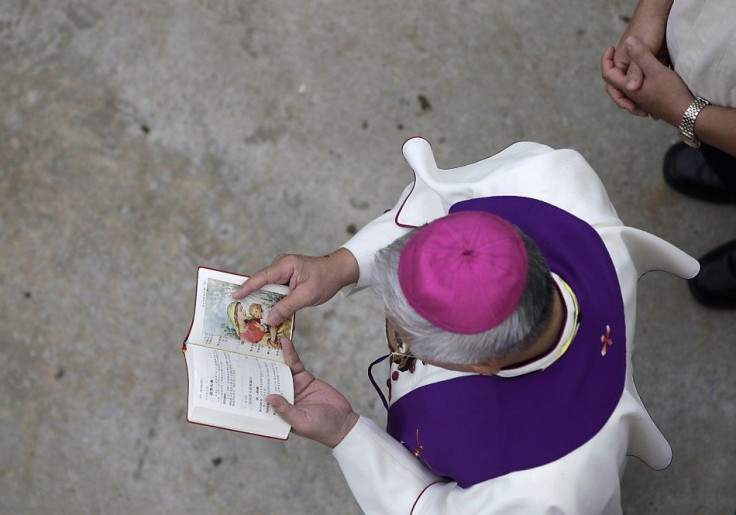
638, 111
278, 272
622, 101
280, 311
607, 63
299, 298
642, 56
253, 283
610, 73
291, 357
612, 76
619, 98
621, 58
617, 57
634, 77
276, 401
283, 408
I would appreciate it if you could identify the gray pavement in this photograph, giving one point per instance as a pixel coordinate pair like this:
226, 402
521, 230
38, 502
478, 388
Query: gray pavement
139, 140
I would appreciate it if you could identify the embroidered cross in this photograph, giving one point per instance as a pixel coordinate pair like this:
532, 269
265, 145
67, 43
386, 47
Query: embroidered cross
607, 340
419, 449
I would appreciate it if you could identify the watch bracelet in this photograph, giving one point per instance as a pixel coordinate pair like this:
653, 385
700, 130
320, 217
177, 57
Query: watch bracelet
687, 124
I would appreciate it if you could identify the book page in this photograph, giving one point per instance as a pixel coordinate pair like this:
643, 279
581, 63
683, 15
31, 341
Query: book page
238, 326
228, 389
237, 381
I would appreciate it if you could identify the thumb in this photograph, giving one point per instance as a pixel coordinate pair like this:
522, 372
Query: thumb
641, 56
282, 407
280, 312
293, 302
634, 77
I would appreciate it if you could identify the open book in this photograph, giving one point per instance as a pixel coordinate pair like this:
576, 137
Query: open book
234, 359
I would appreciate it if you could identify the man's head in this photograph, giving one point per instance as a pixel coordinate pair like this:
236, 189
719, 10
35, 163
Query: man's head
468, 288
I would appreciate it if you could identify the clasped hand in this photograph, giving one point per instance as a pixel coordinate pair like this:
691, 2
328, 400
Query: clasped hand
656, 91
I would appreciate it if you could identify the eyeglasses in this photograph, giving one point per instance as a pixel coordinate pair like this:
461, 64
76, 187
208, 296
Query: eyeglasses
393, 338
401, 356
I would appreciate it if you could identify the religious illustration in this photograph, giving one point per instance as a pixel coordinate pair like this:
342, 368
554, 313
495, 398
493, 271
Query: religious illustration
243, 319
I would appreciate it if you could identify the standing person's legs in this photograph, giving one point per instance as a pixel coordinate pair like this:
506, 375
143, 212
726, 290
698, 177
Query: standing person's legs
709, 174
722, 164
705, 173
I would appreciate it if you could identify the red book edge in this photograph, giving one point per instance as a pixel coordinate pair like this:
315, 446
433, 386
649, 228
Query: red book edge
184, 350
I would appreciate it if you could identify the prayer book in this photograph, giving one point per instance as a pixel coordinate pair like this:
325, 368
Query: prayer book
234, 358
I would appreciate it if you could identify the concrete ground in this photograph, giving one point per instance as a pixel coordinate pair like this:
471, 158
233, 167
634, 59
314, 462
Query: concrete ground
139, 140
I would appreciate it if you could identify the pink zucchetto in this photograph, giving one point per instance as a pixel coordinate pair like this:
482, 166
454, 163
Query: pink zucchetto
464, 272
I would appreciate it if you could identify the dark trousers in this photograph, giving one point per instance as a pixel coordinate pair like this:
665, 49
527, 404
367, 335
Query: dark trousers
723, 164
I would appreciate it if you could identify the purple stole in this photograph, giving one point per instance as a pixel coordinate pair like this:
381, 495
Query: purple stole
475, 428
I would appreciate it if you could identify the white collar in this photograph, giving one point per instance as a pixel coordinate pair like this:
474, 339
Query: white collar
569, 330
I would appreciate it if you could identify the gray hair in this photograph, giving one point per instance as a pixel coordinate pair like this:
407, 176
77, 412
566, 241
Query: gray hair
511, 337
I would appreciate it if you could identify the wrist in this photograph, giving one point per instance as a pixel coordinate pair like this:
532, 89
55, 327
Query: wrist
686, 126
346, 264
350, 420
653, 8
650, 12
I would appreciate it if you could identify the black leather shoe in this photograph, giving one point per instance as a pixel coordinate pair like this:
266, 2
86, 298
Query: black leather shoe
686, 171
715, 285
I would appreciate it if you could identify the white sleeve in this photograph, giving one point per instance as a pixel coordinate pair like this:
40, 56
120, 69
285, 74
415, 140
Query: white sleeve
383, 475
386, 478
373, 237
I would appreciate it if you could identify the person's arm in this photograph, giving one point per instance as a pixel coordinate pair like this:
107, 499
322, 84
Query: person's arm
377, 234
382, 474
665, 96
316, 279
648, 24
716, 126
386, 478
313, 280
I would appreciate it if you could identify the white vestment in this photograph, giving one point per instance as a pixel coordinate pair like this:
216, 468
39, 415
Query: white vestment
384, 476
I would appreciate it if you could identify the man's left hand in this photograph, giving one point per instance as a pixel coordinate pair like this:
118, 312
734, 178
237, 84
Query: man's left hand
319, 412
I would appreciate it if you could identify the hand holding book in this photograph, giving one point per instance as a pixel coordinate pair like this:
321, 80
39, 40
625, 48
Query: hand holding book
320, 412
312, 280
234, 359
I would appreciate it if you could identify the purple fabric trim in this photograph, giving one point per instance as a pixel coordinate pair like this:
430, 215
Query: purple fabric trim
476, 428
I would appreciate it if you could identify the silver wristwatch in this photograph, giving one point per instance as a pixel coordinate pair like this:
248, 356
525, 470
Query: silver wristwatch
687, 125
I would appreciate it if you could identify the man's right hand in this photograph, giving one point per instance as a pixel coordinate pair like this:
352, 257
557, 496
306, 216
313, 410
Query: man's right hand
312, 280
